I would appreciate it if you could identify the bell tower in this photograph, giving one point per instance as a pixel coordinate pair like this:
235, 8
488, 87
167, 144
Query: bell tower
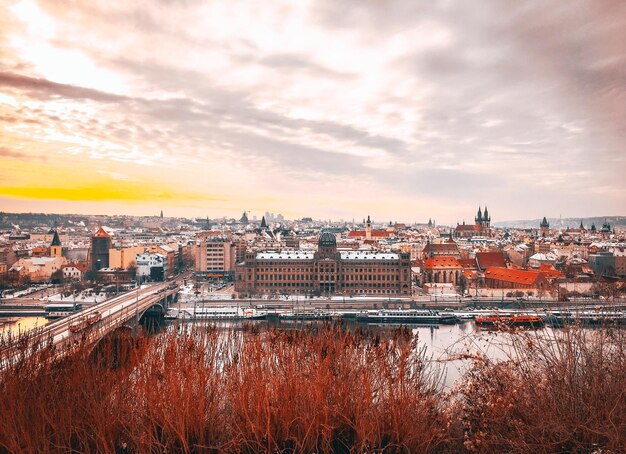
479, 217
544, 227
486, 219
56, 250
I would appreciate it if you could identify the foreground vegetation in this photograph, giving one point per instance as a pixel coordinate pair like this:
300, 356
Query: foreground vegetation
320, 390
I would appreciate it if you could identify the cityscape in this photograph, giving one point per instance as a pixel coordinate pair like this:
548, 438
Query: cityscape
274, 258
312, 227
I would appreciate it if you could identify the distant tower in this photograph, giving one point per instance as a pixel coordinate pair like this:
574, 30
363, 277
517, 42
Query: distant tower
486, 219
263, 223
56, 250
100, 245
430, 222
368, 228
479, 217
544, 227
161, 214
244, 219
593, 228
582, 227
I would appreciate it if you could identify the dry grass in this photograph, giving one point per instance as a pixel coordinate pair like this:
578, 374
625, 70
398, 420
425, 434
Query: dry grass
564, 392
320, 390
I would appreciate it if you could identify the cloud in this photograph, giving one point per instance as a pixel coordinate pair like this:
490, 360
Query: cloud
6, 153
38, 87
455, 104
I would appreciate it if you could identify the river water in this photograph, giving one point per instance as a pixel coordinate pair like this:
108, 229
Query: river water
22, 324
443, 343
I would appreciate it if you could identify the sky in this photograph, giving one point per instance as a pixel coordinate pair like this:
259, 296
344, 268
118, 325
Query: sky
404, 110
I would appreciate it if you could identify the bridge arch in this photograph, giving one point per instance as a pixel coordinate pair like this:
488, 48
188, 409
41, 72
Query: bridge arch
153, 317
116, 349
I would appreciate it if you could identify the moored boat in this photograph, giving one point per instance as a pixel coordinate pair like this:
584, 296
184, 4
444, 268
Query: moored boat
406, 316
222, 313
586, 318
315, 314
510, 320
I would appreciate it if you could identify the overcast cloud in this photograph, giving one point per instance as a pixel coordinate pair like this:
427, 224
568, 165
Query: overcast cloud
402, 109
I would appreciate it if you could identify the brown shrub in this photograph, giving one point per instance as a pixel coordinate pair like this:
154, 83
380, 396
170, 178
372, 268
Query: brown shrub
558, 393
237, 391
324, 389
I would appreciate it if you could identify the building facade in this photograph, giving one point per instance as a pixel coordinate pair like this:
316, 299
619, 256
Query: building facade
37, 269
327, 271
608, 264
125, 257
216, 256
442, 270
100, 245
151, 267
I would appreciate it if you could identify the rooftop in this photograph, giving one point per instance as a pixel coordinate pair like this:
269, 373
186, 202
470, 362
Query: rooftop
510, 275
285, 255
101, 233
368, 255
441, 261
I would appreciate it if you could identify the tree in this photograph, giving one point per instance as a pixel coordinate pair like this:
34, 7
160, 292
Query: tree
189, 262
5, 283
463, 284
57, 277
132, 272
91, 275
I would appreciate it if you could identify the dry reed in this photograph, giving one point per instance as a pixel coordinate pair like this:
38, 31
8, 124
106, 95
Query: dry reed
325, 389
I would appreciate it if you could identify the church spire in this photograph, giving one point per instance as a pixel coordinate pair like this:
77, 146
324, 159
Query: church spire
479, 217
55, 239
55, 246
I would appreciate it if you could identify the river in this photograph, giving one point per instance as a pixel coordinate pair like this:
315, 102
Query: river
443, 342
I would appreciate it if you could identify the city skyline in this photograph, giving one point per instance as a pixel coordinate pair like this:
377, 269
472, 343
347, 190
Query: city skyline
399, 110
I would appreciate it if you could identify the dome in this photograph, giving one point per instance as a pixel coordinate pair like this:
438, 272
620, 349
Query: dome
327, 239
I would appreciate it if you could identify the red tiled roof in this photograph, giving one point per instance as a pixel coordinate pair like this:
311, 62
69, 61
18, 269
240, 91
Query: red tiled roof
468, 264
442, 261
469, 274
515, 276
375, 233
447, 248
101, 233
487, 259
549, 271
468, 227
81, 266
